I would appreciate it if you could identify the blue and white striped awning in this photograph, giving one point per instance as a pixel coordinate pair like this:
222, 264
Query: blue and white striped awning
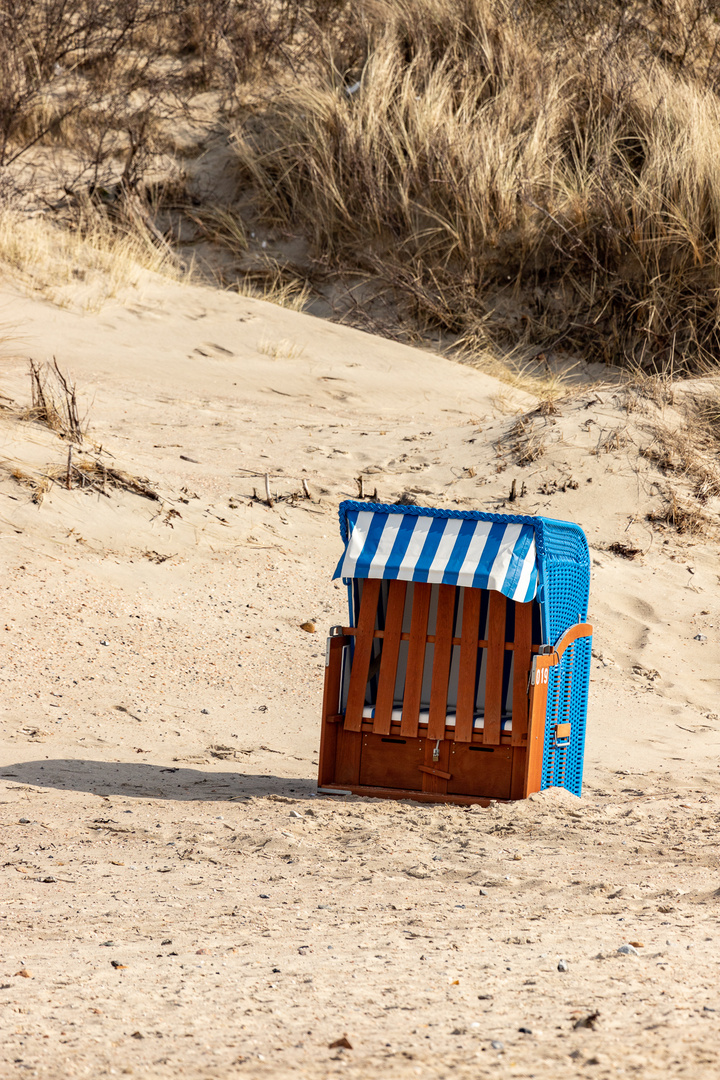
451, 548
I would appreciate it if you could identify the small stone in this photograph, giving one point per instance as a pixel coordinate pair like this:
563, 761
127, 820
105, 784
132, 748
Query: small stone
165, 941
23, 973
525, 1031
437, 858
308, 627
562, 965
628, 950
103, 642
482, 892
49, 880
517, 858
700, 637
24, 821
294, 813
340, 1044
497, 1045
205, 712
264, 896
137, 1035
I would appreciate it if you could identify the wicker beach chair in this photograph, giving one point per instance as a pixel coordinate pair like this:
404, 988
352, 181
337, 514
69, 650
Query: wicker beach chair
463, 673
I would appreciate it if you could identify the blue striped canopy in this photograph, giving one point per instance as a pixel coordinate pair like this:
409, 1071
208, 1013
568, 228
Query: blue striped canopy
411, 543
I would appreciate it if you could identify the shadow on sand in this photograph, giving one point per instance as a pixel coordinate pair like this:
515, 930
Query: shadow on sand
138, 780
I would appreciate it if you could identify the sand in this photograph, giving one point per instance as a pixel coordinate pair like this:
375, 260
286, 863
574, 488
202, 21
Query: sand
182, 901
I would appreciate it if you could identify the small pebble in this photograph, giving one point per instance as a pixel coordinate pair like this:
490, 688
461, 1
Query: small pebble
562, 965
700, 637
103, 642
205, 712
264, 896
24, 821
497, 1045
294, 813
525, 1031
482, 892
628, 950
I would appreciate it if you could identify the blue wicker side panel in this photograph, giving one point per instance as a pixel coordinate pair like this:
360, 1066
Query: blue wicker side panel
567, 704
565, 591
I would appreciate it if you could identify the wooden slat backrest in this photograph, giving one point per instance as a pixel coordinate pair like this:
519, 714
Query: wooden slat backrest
389, 657
494, 660
465, 708
522, 659
442, 655
415, 659
362, 654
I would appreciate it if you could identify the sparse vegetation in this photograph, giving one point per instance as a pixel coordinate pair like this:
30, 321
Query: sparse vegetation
529, 177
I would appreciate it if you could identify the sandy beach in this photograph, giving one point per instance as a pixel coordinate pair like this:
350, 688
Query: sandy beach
177, 899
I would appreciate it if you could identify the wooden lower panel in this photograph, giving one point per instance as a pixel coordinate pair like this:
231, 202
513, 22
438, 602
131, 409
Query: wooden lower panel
392, 761
403, 793
482, 771
347, 757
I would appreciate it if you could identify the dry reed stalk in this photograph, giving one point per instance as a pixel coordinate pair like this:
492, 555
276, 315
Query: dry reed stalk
54, 401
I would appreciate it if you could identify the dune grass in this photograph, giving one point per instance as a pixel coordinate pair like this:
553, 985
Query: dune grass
83, 265
529, 174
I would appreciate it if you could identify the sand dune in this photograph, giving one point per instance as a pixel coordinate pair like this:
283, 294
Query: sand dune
162, 715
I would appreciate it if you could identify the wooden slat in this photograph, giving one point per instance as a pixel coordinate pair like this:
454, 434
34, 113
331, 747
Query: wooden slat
389, 658
363, 652
331, 702
522, 658
494, 658
416, 659
442, 656
468, 665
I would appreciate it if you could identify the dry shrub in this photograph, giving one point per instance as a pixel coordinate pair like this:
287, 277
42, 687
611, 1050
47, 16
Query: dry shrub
54, 402
544, 171
92, 473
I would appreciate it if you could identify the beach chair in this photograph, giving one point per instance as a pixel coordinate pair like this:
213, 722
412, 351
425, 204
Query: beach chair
463, 673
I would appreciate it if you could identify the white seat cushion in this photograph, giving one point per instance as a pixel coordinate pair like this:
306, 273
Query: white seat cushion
478, 721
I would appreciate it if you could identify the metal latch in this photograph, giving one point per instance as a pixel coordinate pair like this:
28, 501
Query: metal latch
562, 734
436, 751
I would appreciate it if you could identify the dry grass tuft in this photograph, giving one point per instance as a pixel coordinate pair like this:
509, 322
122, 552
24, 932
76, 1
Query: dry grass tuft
610, 442
525, 440
625, 551
682, 515
275, 288
37, 485
84, 264
693, 450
